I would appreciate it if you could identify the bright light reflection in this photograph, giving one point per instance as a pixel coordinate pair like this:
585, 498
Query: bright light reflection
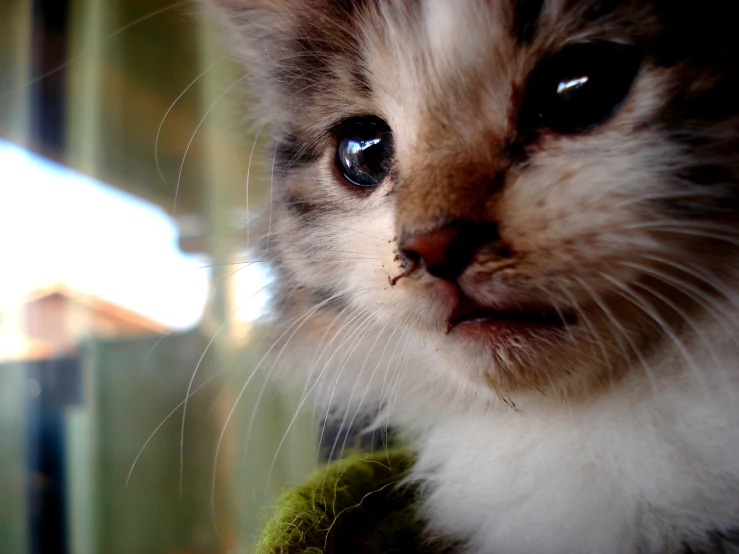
572, 83
59, 226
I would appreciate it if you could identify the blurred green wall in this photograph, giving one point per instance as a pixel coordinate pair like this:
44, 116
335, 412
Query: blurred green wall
129, 388
13, 475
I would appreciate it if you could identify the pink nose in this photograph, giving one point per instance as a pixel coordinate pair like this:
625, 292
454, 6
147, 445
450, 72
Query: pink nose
446, 251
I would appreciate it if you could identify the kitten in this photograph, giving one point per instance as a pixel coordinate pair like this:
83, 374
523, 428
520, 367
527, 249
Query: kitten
512, 227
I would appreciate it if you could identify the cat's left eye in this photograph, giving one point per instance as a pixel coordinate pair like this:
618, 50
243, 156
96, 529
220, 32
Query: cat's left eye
579, 87
364, 151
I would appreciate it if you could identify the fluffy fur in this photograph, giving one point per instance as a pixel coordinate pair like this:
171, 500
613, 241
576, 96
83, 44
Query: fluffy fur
619, 435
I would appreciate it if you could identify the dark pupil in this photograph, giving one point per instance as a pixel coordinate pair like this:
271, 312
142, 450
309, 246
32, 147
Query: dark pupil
365, 151
580, 87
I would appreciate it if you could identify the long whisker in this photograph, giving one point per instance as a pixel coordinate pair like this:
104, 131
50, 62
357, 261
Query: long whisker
248, 176
322, 347
195, 132
350, 425
622, 331
386, 386
689, 320
594, 333
640, 302
192, 380
680, 224
171, 107
168, 416
271, 198
357, 323
366, 322
697, 192
706, 230
715, 308
555, 304
697, 273
307, 314
231, 412
399, 375
302, 403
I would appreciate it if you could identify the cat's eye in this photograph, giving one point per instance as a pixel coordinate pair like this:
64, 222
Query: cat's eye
579, 87
364, 151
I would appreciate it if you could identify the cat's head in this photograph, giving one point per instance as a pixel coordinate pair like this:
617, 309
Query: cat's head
539, 193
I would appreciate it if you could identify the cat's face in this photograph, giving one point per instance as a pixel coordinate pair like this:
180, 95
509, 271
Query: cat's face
540, 193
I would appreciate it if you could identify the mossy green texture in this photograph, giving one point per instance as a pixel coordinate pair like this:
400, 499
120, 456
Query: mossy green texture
357, 505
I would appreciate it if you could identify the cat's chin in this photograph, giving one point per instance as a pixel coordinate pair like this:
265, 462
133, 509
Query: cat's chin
513, 350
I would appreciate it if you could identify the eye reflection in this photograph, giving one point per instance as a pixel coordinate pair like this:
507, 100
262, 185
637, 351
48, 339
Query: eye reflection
572, 84
580, 86
364, 151
354, 147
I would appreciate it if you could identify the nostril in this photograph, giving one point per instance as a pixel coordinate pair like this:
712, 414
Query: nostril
431, 249
408, 258
446, 251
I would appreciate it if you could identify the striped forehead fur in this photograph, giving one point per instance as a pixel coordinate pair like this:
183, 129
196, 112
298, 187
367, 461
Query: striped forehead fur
310, 58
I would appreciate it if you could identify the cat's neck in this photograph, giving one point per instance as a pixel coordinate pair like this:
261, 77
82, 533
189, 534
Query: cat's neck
651, 466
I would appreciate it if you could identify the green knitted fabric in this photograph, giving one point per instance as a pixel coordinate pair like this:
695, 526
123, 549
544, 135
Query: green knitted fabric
355, 505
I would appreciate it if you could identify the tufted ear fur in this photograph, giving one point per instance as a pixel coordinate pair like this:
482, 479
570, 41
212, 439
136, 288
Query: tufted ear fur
293, 48
265, 32
254, 28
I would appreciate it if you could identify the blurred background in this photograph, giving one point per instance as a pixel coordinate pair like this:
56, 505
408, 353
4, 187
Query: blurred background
124, 151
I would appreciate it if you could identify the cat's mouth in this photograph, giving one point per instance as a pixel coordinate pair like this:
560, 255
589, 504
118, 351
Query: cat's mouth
469, 315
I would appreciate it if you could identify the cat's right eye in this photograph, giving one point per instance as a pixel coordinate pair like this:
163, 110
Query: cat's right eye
579, 87
364, 151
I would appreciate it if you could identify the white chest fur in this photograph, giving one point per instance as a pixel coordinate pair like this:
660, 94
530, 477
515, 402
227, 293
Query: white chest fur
639, 471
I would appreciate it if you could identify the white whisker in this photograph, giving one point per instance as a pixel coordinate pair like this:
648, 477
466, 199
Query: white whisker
195, 132
622, 332
170, 108
248, 176
640, 302
192, 380
271, 198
